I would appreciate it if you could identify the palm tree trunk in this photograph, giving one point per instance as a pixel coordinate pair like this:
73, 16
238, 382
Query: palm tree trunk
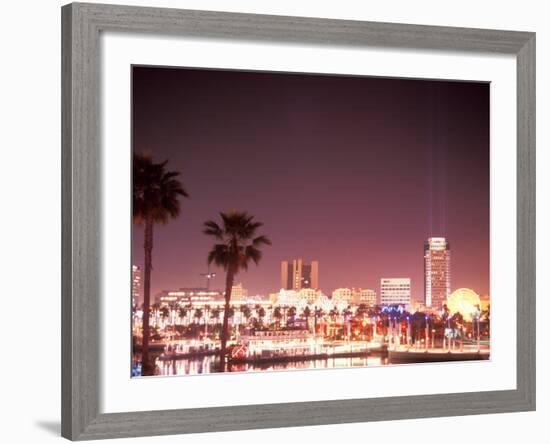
225, 328
146, 367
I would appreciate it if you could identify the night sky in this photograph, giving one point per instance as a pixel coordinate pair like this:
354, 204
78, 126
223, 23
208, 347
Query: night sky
355, 172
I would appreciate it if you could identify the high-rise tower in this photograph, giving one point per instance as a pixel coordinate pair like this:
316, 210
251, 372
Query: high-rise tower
437, 272
136, 284
298, 275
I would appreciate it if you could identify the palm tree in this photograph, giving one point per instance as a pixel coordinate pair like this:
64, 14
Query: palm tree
164, 313
155, 310
247, 312
198, 315
216, 314
261, 315
155, 200
306, 313
237, 245
318, 313
291, 314
361, 311
173, 312
278, 314
347, 314
206, 316
182, 313
189, 308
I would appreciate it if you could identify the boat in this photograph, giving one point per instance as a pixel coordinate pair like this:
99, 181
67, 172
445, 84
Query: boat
288, 345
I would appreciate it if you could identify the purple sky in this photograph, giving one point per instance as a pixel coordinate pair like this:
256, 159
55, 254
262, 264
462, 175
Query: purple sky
355, 172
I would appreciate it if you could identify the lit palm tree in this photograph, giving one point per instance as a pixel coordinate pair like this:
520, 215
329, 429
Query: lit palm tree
164, 313
173, 312
237, 245
318, 314
155, 200
198, 315
206, 317
291, 314
247, 312
361, 311
261, 315
154, 310
306, 314
278, 315
216, 314
347, 314
182, 313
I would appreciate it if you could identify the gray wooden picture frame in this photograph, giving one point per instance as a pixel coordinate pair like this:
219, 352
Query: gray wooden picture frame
81, 239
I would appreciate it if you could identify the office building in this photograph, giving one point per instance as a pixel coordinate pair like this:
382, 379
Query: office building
368, 297
437, 272
342, 295
136, 285
239, 293
395, 291
191, 296
297, 274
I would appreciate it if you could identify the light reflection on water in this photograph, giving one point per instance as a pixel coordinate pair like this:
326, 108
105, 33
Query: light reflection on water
210, 364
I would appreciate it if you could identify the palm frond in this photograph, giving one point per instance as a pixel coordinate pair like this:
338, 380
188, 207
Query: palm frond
261, 240
253, 253
211, 228
155, 191
220, 256
238, 246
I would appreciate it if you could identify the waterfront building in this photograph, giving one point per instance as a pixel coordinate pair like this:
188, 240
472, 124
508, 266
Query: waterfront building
273, 297
196, 296
395, 291
239, 293
309, 295
355, 296
297, 274
136, 285
289, 298
437, 272
368, 297
342, 295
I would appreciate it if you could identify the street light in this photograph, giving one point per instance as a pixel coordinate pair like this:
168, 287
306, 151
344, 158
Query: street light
208, 276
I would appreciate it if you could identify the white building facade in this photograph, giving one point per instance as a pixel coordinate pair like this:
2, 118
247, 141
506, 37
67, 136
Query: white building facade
395, 291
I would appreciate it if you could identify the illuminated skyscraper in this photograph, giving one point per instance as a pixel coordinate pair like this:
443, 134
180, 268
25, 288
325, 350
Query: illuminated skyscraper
437, 272
136, 284
298, 275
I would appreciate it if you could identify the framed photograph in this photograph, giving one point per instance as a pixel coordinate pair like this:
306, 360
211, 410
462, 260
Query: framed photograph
286, 221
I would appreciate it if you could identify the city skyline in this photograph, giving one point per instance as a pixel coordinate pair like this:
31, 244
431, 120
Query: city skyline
298, 275
437, 288
355, 173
